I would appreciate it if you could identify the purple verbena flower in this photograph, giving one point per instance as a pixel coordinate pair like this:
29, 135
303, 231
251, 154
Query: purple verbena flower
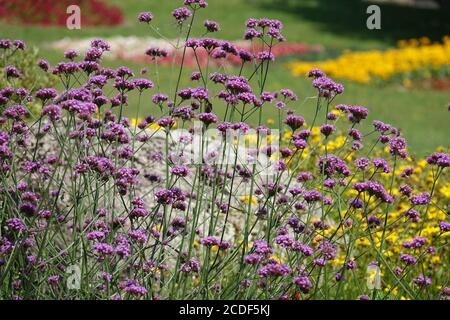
145, 17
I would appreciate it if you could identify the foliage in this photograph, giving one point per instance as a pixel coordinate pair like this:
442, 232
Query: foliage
95, 206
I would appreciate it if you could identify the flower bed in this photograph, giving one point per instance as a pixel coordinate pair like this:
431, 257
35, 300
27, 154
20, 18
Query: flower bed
412, 59
183, 204
133, 49
49, 12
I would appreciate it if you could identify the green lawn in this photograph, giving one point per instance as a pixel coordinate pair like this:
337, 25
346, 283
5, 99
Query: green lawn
422, 115
331, 23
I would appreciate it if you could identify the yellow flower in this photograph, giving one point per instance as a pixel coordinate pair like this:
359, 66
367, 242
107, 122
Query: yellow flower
249, 198
392, 238
251, 138
430, 231
338, 260
365, 66
154, 126
315, 131
445, 190
276, 258
435, 259
393, 291
422, 163
334, 144
364, 242
435, 214
287, 135
135, 121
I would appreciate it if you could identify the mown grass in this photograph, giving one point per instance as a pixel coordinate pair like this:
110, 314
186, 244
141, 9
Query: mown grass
421, 114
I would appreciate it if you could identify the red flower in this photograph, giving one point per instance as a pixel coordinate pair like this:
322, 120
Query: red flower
50, 12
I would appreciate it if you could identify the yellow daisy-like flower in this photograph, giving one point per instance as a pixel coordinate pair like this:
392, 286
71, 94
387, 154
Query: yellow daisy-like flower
445, 190
248, 198
135, 121
276, 258
364, 242
154, 126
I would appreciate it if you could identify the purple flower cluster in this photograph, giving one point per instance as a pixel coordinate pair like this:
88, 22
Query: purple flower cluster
375, 189
181, 14
331, 165
258, 28
355, 113
303, 283
408, 259
422, 281
145, 17
273, 269
440, 159
211, 26
294, 121
421, 198
327, 88
416, 243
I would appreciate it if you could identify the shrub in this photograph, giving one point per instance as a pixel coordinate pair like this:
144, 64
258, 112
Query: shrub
117, 211
31, 77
